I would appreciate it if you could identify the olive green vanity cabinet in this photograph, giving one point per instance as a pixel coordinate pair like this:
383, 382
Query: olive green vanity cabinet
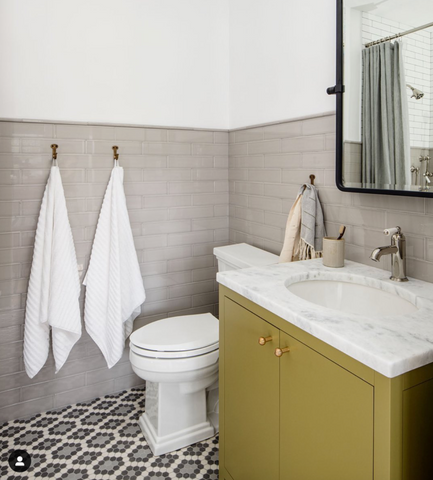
251, 397
326, 417
314, 413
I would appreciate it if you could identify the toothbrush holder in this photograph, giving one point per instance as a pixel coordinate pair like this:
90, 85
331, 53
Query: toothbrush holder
333, 252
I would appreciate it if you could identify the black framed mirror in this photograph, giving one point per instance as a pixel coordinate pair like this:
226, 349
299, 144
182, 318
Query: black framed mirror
384, 93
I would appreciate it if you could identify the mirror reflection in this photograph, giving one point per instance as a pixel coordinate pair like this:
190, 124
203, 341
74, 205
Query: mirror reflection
388, 101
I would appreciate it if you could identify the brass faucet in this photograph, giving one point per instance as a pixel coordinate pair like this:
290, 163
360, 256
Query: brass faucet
397, 250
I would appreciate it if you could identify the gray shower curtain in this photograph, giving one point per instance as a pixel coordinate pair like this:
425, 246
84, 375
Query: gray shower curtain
385, 120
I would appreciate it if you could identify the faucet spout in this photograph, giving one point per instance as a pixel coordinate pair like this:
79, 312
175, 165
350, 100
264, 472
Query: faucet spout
378, 252
397, 250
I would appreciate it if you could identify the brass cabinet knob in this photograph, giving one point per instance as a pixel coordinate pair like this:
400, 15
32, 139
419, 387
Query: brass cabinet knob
279, 352
264, 340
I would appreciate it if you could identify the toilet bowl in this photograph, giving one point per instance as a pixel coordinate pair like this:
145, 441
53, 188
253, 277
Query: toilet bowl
178, 358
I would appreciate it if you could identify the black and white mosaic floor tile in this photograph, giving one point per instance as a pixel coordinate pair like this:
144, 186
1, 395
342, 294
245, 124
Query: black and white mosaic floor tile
100, 439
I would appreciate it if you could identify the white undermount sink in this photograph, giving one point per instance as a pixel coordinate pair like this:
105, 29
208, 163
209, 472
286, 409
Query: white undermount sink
352, 298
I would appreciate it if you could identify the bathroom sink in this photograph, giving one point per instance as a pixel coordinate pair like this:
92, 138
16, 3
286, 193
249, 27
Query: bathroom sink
353, 298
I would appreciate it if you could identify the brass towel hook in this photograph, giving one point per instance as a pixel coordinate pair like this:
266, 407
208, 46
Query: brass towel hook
115, 154
312, 178
54, 147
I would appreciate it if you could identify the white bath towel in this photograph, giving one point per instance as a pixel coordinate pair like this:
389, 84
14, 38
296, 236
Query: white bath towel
114, 287
54, 287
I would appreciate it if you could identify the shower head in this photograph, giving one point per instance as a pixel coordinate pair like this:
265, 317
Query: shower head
417, 94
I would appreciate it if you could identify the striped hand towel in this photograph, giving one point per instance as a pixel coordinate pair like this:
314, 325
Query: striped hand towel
305, 227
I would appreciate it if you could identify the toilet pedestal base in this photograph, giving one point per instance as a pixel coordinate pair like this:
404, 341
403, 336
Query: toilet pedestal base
175, 416
161, 445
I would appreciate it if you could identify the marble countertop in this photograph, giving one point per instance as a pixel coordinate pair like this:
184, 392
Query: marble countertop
391, 345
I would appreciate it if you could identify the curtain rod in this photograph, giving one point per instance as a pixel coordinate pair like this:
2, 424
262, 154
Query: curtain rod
398, 35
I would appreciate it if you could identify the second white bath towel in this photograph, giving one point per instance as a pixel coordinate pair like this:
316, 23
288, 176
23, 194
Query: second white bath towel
114, 287
54, 287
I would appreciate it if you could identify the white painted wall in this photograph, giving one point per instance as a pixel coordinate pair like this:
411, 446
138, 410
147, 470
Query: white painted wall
282, 59
166, 62
157, 62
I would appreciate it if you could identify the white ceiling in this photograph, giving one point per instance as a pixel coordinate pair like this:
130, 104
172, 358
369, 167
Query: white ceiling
411, 12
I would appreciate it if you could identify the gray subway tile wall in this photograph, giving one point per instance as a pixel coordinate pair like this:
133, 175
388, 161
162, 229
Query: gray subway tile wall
176, 186
187, 192
265, 176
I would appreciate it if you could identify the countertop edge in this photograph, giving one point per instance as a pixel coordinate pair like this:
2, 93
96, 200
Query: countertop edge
384, 367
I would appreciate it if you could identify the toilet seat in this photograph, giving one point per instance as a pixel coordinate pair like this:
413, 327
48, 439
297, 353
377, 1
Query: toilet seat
174, 368
177, 354
177, 337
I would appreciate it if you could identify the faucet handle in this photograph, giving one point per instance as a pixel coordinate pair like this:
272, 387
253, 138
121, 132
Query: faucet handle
392, 231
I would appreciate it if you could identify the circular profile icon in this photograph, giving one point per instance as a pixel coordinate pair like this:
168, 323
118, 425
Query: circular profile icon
19, 460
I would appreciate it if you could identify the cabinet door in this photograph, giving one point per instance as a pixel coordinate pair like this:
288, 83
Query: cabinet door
326, 418
418, 432
251, 401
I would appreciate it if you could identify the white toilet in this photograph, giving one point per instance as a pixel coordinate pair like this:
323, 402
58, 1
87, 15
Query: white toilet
178, 358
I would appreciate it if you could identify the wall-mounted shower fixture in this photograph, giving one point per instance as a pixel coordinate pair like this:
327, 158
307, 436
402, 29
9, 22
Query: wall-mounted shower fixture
427, 175
415, 170
417, 94
426, 159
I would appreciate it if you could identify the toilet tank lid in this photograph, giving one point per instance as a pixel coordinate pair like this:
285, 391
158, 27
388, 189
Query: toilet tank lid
243, 255
175, 334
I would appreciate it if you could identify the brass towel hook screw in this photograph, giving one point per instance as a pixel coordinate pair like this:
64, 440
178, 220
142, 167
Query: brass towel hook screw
54, 148
115, 155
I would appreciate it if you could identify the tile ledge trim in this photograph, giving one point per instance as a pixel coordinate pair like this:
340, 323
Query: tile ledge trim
102, 124
133, 125
289, 120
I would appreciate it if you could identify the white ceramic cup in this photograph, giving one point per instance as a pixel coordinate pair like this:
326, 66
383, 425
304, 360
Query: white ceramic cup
333, 252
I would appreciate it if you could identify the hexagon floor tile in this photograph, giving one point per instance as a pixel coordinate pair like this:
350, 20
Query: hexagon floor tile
100, 439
